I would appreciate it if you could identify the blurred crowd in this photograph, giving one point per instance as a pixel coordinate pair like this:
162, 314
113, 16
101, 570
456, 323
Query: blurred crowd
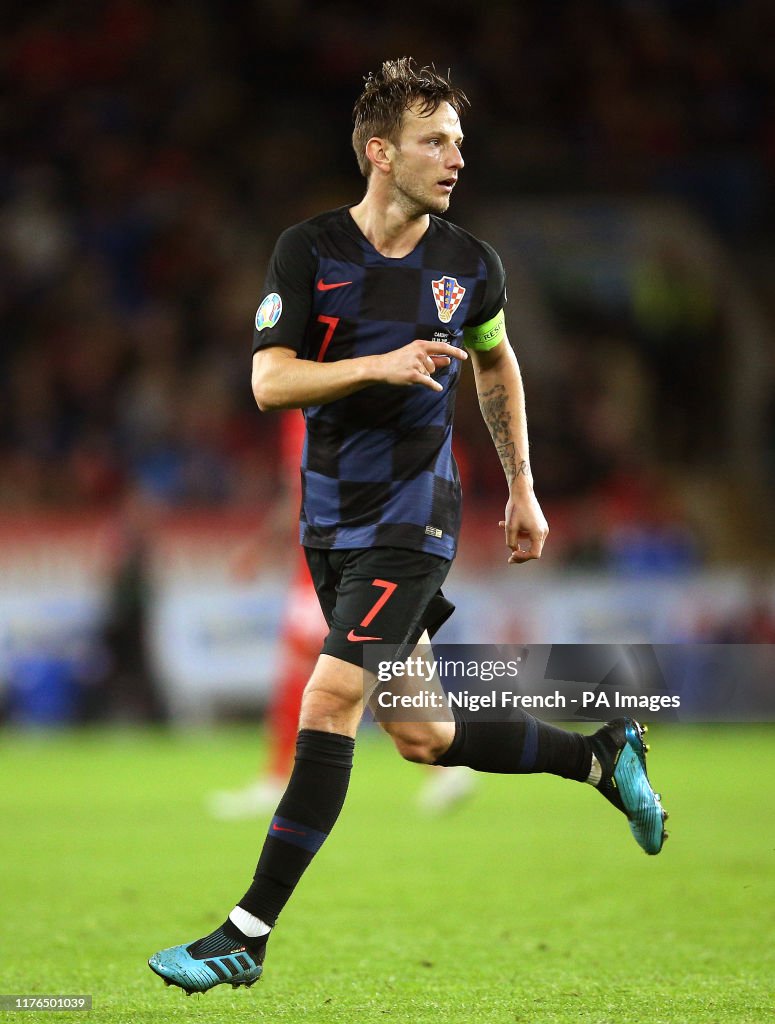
152, 153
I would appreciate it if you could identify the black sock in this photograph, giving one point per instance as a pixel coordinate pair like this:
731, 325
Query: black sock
304, 817
520, 746
227, 939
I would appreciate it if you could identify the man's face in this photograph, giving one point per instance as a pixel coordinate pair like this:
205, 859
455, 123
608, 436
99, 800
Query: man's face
427, 160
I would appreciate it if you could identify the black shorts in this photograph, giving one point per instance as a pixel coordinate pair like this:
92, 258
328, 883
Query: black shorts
387, 596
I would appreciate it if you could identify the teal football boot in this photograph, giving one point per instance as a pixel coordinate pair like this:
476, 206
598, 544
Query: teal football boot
216, 959
620, 749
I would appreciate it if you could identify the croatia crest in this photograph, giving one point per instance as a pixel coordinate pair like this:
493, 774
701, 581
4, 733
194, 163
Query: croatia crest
448, 295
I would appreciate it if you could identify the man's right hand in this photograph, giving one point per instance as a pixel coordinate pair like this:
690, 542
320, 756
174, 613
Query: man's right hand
416, 363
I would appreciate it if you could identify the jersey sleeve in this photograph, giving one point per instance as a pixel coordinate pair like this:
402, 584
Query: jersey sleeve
284, 311
485, 327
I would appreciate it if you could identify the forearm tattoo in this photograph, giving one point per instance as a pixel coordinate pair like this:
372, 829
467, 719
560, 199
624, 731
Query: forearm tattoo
495, 410
494, 406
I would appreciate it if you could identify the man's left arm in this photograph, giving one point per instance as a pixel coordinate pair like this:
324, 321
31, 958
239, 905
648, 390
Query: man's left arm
502, 401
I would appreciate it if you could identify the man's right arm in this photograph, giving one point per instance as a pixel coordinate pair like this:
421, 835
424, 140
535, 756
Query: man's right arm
281, 380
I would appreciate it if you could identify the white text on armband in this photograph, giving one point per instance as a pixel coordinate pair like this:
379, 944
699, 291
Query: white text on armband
485, 336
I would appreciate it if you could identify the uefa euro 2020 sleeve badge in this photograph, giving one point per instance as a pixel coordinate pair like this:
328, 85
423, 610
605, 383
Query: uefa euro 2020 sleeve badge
448, 295
269, 311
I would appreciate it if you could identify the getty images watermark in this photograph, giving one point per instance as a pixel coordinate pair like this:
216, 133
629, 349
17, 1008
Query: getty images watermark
686, 682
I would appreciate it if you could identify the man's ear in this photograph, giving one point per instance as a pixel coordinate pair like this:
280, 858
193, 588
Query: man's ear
380, 153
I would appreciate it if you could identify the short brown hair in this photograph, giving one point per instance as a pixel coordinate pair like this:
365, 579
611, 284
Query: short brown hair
398, 85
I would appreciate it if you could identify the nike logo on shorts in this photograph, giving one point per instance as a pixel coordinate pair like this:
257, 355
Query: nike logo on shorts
353, 637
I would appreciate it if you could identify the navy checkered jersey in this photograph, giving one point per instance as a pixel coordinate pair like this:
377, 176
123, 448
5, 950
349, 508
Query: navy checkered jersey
377, 466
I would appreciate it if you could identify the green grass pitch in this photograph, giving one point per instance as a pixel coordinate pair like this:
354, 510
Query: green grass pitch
531, 903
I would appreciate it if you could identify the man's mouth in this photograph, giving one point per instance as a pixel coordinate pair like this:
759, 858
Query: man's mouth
447, 183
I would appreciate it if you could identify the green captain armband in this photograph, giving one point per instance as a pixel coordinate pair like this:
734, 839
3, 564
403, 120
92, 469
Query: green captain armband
485, 336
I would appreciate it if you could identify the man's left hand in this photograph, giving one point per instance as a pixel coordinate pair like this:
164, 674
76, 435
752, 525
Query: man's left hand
525, 527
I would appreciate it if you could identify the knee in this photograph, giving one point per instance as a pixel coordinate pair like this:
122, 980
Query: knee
333, 698
325, 709
421, 745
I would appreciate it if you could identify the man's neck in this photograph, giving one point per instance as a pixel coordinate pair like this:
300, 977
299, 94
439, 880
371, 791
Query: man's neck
391, 231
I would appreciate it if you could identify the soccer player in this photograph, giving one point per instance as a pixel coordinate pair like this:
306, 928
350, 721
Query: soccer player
302, 631
370, 312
